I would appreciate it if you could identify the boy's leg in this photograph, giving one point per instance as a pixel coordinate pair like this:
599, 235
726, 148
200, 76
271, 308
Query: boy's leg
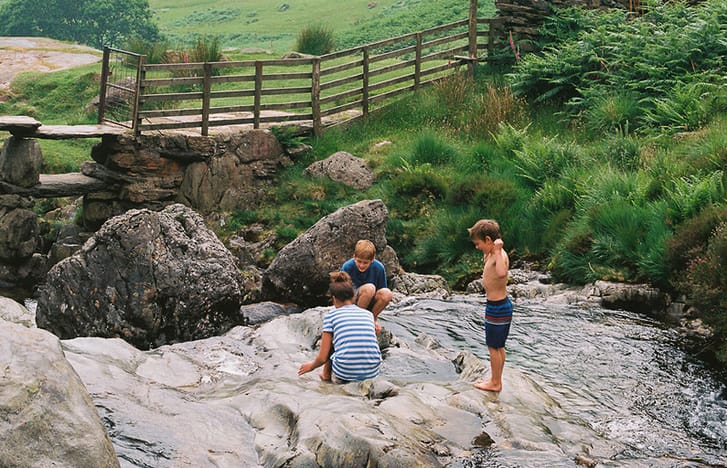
497, 364
381, 300
364, 295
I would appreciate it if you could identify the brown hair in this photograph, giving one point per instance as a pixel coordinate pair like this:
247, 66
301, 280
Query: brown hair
341, 286
365, 250
484, 228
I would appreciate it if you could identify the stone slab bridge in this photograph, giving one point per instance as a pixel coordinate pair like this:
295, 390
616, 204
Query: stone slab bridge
233, 170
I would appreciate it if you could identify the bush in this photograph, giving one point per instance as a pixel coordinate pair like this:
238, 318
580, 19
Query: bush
706, 279
689, 195
315, 40
540, 160
492, 108
617, 112
430, 148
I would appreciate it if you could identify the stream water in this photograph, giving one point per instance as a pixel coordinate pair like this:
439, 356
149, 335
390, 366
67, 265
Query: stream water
584, 384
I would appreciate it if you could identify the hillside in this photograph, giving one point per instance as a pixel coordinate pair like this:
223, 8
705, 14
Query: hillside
274, 25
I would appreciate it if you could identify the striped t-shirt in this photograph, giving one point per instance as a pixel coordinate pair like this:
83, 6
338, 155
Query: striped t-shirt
356, 354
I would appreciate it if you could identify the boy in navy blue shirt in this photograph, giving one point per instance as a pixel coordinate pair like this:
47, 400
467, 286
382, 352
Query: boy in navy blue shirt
369, 279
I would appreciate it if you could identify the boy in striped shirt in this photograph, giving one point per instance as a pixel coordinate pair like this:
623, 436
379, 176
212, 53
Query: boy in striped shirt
349, 347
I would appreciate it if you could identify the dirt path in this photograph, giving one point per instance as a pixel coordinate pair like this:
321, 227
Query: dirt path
19, 54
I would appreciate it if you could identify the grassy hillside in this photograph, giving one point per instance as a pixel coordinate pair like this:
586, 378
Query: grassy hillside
275, 25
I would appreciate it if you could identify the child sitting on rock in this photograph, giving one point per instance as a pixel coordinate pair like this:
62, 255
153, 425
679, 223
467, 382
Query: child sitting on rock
349, 348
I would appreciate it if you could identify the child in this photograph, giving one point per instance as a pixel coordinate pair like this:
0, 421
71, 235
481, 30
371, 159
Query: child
369, 279
349, 348
485, 234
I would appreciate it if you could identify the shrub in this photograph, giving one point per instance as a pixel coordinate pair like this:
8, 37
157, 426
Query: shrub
688, 106
496, 105
155, 51
315, 40
540, 160
454, 91
617, 112
689, 240
206, 49
690, 194
510, 139
706, 279
421, 182
623, 152
430, 148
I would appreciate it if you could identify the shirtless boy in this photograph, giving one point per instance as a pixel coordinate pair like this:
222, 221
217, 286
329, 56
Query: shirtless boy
485, 235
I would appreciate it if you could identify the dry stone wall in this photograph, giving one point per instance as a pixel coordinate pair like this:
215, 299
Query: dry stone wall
523, 18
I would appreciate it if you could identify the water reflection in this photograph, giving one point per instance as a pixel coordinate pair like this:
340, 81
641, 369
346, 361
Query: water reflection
612, 383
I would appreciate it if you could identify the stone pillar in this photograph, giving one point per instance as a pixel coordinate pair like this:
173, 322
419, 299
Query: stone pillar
20, 164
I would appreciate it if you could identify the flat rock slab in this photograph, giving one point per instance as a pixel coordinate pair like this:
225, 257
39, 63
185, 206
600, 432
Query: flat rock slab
66, 132
67, 185
11, 123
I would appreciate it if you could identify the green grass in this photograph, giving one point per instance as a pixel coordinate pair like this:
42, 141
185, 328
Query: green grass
57, 98
263, 24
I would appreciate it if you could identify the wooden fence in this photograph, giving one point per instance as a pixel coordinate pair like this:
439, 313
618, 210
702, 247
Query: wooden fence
312, 89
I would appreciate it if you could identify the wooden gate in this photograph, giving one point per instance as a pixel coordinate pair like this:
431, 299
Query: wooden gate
119, 94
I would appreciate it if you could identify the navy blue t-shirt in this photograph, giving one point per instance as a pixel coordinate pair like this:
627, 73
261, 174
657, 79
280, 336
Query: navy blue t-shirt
375, 274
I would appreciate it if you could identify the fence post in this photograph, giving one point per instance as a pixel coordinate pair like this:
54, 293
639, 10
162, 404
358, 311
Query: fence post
258, 94
206, 91
104, 79
418, 62
140, 76
472, 38
315, 97
365, 81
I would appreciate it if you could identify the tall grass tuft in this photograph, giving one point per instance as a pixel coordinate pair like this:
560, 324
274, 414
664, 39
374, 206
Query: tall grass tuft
495, 106
206, 49
315, 39
431, 148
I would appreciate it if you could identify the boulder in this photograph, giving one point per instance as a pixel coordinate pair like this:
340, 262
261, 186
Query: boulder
640, 298
236, 400
345, 168
147, 277
414, 284
48, 417
299, 273
18, 234
14, 312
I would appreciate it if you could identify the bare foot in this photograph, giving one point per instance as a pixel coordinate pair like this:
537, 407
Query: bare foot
324, 377
488, 386
378, 327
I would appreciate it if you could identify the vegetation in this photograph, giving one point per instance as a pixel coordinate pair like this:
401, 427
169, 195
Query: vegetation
602, 157
92, 22
275, 26
315, 40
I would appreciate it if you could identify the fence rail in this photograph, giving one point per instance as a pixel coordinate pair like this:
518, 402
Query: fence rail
203, 95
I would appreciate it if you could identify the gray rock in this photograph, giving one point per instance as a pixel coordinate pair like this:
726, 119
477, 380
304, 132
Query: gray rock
20, 162
265, 311
48, 416
18, 234
345, 168
150, 278
14, 312
299, 273
236, 400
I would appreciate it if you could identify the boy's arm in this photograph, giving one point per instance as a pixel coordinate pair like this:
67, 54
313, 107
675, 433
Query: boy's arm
323, 354
502, 263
